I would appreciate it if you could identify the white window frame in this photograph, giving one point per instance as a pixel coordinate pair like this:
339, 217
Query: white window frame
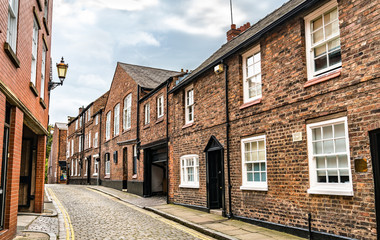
33, 76
46, 9
160, 106
116, 120
96, 119
76, 124
251, 53
80, 121
96, 166
309, 48
43, 71
254, 185
108, 125
76, 167
67, 149
107, 164
80, 143
12, 24
88, 114
189, 105
85, 167
344, 189
147, 113
72, 167
95, 144
127, 112
184, 173
89, 139
72, 147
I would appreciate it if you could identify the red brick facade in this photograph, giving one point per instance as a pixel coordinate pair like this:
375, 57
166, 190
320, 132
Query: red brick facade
24, 108
57, 173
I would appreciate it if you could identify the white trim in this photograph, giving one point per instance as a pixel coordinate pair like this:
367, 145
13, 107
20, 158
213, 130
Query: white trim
108, 125
255, 188
184, 174
345, 189
160, 106
147, 113
255, 50
116, 120
189, 106
189, 185
127, 112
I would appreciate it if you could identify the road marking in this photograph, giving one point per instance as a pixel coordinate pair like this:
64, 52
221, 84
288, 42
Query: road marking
66, 217
157, 217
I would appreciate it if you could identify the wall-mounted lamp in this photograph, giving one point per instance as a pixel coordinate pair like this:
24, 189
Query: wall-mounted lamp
62, 70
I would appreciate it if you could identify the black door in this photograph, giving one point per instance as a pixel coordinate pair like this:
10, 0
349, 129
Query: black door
375, 153
215, 177
4, 167
125, 168
88, 170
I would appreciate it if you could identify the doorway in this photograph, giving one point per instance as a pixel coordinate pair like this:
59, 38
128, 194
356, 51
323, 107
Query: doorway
155, 169
375, 154
125, 168
4, 166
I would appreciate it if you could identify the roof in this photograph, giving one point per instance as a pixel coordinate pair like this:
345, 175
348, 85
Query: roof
61, 126
148, 77
247, 37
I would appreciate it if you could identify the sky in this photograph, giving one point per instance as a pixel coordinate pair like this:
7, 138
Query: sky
93, 35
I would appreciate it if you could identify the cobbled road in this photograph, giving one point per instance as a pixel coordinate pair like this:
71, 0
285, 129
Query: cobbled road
97, 216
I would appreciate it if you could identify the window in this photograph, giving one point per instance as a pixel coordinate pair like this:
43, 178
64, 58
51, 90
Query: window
96, 119
252, 75
135, 159
95, 140
80, 121
189, 102
43, 70
76, 167
89, 139
12, 23
254, 167
147, 113
46, 9
72, 168
329, 158
85, 167
34, 52
68, 150
160, 106
189, 171
116, 120
72, 147
322, 40
80, 143
127, 112
88, 114
96, 167
107, 165
76, 124
108, 126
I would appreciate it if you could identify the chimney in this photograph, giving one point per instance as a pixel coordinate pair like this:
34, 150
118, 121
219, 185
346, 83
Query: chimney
233, 32
80, 110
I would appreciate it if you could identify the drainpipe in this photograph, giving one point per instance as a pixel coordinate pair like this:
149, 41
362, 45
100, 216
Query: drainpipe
230, 215
100, 146
167, 139
83, 140
138, 122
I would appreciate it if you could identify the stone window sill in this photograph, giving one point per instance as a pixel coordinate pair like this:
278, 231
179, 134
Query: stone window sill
33, 88
11, 54
195, 186
128, 130
146, 126
43, 104
46, 25
331, 191
107, 176
134, 176
187, 125
254, 188
161, 119
323, 78
251, 103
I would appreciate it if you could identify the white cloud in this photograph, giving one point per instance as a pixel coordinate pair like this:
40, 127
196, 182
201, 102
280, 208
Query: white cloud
137, 38
129, 5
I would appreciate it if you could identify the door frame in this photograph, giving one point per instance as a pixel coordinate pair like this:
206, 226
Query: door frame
374, 139
213, 146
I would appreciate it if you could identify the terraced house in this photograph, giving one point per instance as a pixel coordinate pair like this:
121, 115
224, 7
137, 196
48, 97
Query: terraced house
280, 126
25, 28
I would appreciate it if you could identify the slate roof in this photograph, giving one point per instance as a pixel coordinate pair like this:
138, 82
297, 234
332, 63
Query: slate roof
249, 36
61, 126
148, 77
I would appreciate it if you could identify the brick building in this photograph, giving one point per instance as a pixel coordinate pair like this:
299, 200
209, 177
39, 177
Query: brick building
57, 172
25, 28
83, 143
275, 127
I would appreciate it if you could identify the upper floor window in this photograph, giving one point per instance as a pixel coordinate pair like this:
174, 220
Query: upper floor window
46, 9
190, 171
88, 114
147, 113
116, 120
322, 40
68, 149
252, 74
80, 143
160, 106
254, 165
76, 124
96, 167
80, 121
107, 165
96, 119
95, 144
108, 125
72, 147
127, 112
43, 69
189, 102
89, 139
329, 157
12, 23
34, 52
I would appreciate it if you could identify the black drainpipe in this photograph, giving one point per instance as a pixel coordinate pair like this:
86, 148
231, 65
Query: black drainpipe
230, 215
83, 133
138, 123
167, 139
100, 146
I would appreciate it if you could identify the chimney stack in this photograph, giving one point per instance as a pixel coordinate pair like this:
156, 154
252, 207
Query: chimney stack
233, 32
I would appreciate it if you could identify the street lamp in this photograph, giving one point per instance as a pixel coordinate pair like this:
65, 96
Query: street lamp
62, 70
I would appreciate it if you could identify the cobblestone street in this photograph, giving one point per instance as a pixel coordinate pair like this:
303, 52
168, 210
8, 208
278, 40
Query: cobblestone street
95, 215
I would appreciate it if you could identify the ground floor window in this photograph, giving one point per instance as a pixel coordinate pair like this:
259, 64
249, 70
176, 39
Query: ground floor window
85, 167
190, 171
329, 157
107, 165
96, 167
254, 163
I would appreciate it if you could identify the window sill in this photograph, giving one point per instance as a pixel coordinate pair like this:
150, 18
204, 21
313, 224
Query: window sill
188, 125
95, 174
160, 119
107, 176
254, 188
33, 88
146, 126
43, 104
127, 130
46, 25
251, 103
134, 176
323, 78
327, 191
39, 5
189, 186
12, 55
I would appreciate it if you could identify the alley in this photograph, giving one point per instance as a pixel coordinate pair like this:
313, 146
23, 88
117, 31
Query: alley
94, 215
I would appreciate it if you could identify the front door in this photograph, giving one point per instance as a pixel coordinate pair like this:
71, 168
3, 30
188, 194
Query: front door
215, 178
125, 168
88, 168
375, 154
4, 168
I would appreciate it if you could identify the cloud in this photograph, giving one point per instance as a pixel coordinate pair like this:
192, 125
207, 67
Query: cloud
137, 38
129, 5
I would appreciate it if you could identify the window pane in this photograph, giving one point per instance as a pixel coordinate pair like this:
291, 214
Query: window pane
262, 166
247, 147
256, 167
317, 134
342, 161
332, 176
321, 176
331, 162
249, 167
316, 24
334, 44
344, 176
327, 132
250, 177
257, 68
317, 147
250, 71
340, 145
331, 16
321, 162
263, 176
254, 156
335, 58
257, 57
328, 146
339, 130
318, 51
247, 157
250, 61
254, 146
320, 63
332, 29
261, 155
257, 177
318, 36
261, 145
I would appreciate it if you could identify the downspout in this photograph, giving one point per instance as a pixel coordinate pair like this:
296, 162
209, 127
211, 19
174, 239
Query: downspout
100, 146
59, 150
138, 121
167, 139
230, 215
83, 141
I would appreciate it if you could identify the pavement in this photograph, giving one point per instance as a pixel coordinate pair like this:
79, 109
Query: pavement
50, 224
